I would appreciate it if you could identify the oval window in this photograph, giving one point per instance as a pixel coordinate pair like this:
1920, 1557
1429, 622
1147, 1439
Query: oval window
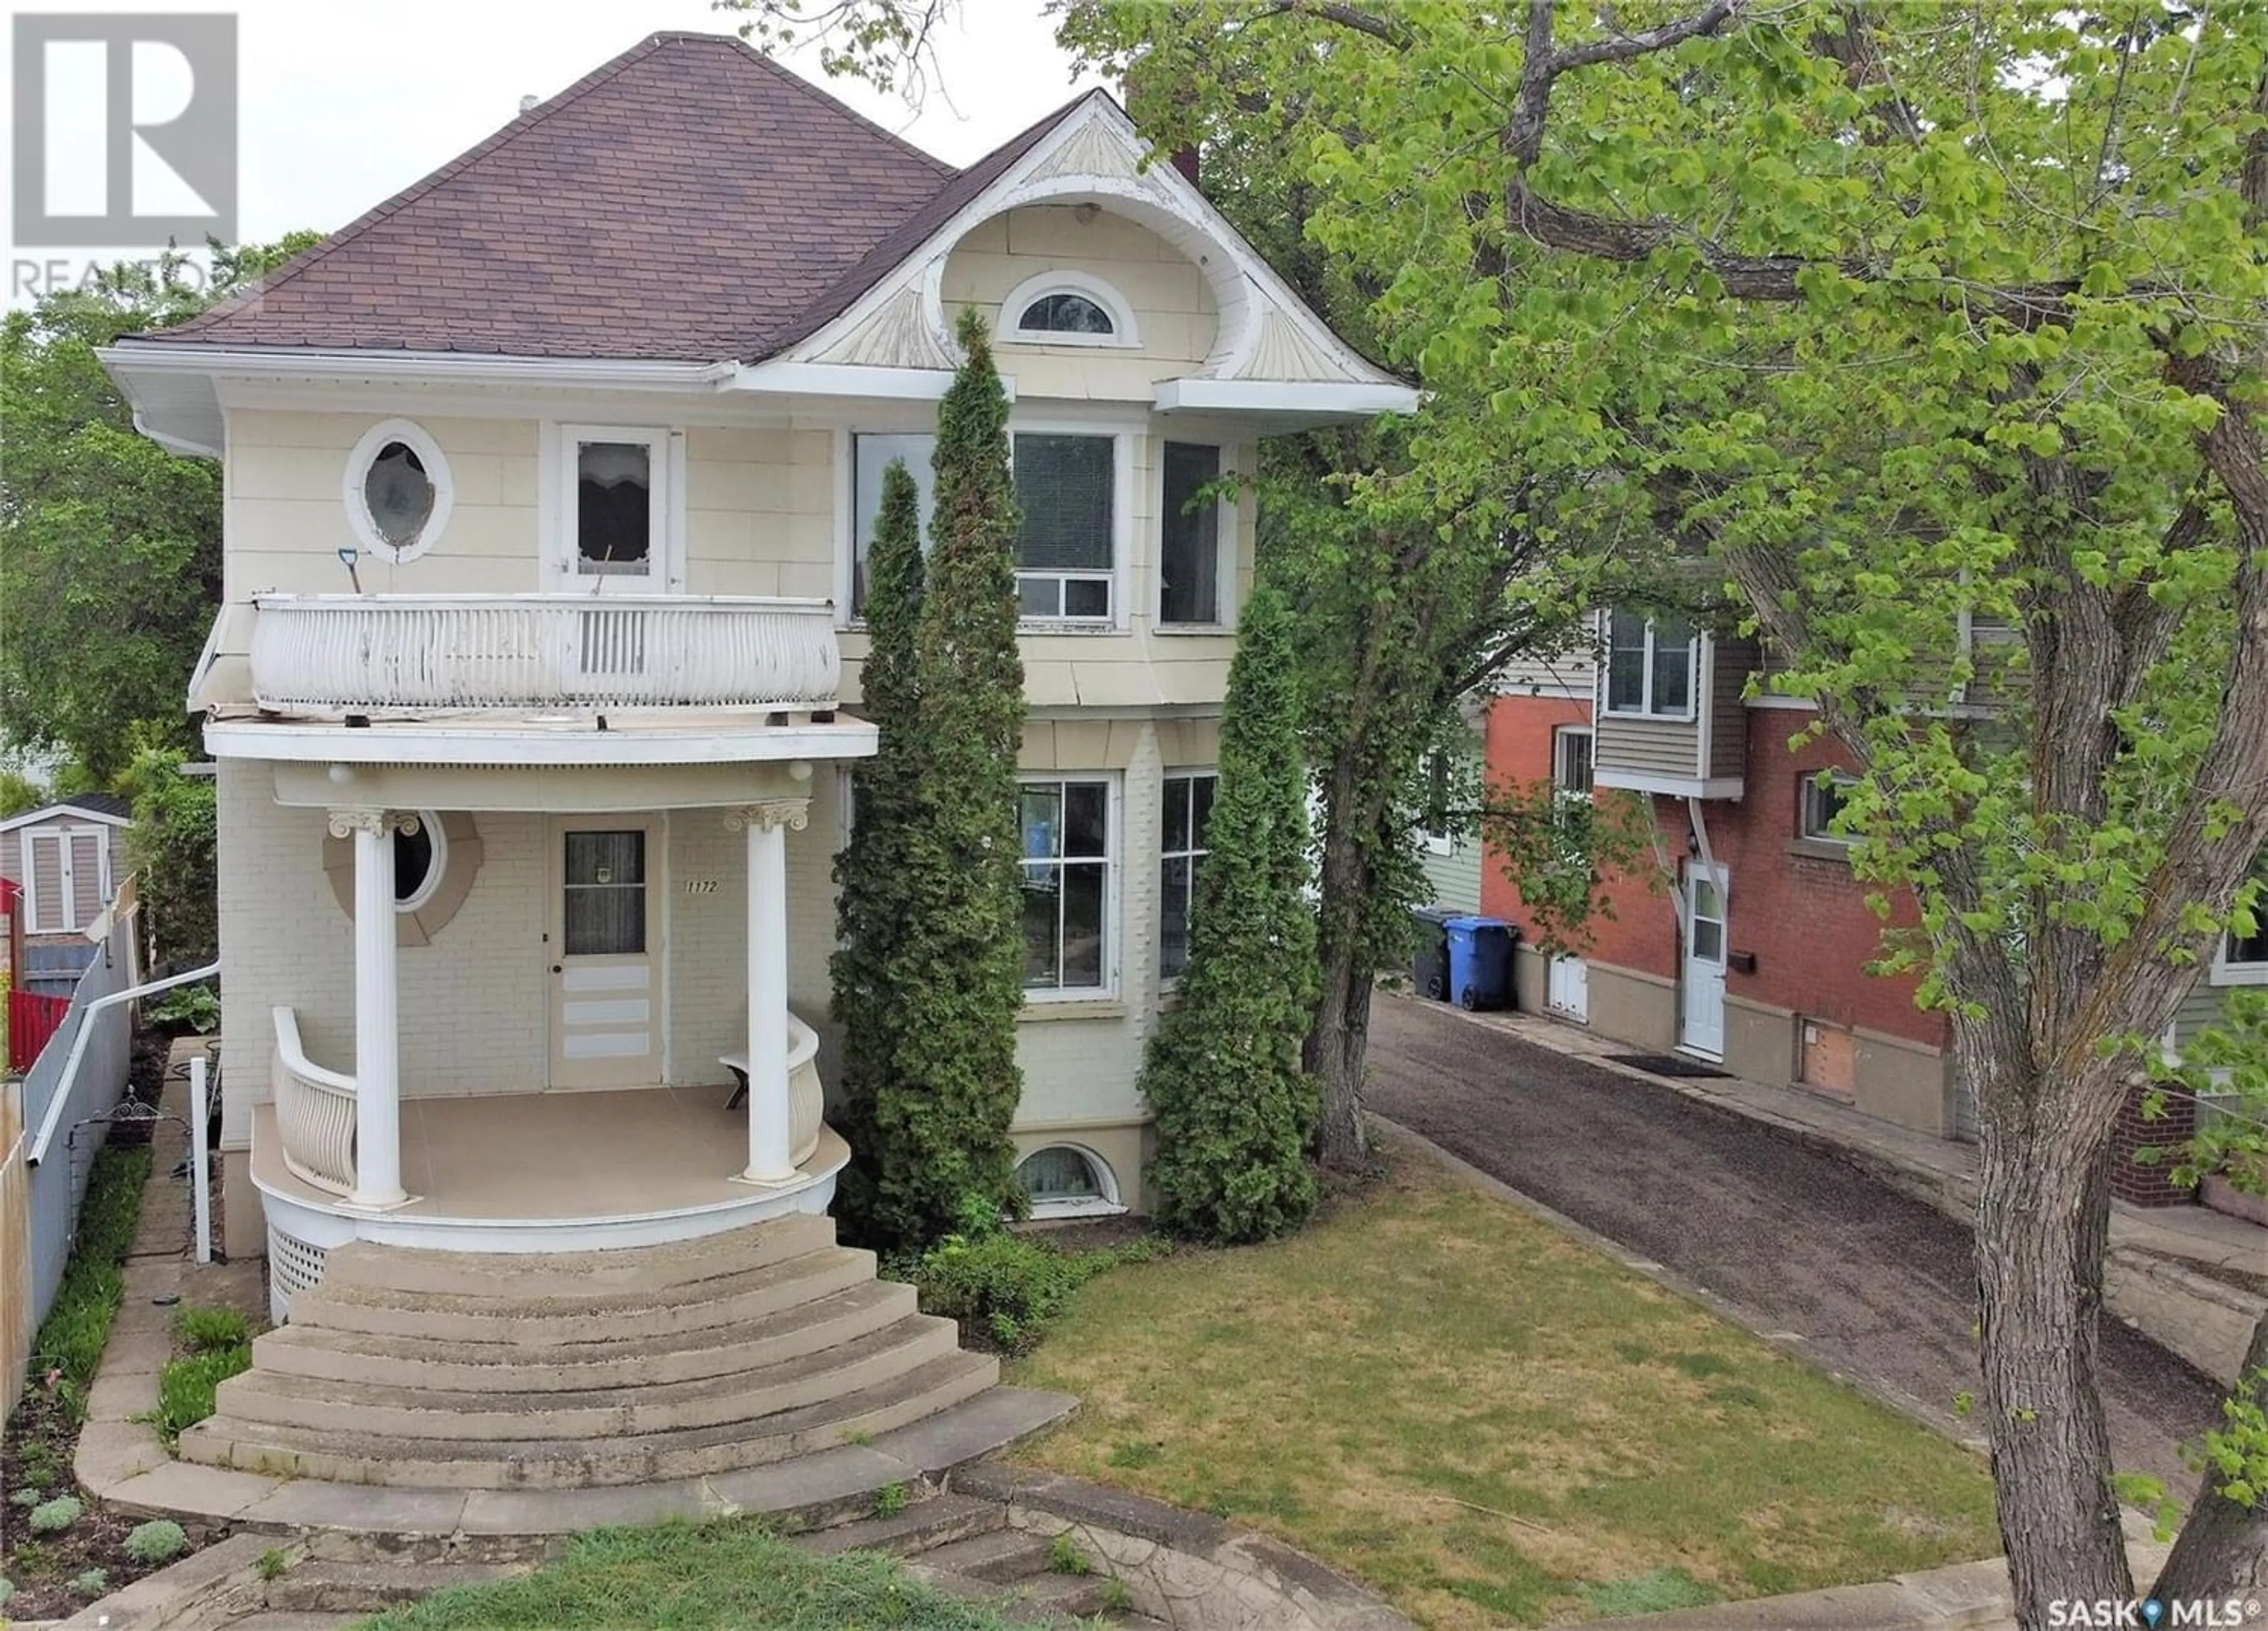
420, 858
397, 490
1060, 1173
400, 494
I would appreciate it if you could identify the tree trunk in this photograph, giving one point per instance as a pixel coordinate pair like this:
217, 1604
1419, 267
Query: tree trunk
2223, 1549
1337, 1043
2042, 1226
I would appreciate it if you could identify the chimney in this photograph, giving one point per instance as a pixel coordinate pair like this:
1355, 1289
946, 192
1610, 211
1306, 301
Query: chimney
1185, 161
527, 103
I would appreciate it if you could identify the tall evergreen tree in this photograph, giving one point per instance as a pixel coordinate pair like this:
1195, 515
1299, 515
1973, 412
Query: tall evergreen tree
940, 1134
873, 874
1234, 1110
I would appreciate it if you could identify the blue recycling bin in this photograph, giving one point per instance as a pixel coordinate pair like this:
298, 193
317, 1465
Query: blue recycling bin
1480, 961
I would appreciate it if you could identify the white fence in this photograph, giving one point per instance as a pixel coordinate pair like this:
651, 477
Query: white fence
361, 653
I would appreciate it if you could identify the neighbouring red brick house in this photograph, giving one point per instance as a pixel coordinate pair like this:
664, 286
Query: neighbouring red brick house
1747, 944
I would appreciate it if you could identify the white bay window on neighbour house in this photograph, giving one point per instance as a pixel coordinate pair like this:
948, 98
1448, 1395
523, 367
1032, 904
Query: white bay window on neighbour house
1649, 666
1069, 852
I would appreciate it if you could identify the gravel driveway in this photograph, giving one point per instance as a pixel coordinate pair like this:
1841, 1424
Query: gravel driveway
1879, 1284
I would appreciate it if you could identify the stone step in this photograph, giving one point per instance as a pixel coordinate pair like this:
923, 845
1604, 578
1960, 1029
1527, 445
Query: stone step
746, 1296
504, 1410
630, 1357
285, 1619
572, 1274
356, 1457
922, 1527
1002, 1555
328, 1587
1076, 1597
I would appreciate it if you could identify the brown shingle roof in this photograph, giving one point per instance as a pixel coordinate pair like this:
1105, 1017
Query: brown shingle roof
689, 200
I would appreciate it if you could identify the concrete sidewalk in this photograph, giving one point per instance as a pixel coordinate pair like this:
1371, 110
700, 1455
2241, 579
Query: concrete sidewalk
2162, 1274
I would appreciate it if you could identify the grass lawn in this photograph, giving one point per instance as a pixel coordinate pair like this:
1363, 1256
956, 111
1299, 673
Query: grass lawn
1491, 1424
731, 1577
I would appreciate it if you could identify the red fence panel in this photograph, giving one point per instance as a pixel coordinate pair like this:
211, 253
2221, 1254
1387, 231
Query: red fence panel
31, 1020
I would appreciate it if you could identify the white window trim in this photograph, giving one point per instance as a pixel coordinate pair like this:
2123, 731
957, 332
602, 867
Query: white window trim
665, 450
367, 450
1560, 734
1122, 522
1107, 1204
429, 822
1606, 677
1125, 336
2225, 973
1166, 982
1114, 872
1807, 788
1227, 513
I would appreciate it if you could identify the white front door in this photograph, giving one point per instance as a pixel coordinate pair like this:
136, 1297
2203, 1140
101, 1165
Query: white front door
604, 939
1702, 992
1567, 987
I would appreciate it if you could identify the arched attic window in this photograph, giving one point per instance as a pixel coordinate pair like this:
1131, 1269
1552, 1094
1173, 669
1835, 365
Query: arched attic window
1067, 308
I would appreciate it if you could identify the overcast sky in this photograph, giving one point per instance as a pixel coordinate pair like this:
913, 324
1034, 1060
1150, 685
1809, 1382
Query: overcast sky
342, 104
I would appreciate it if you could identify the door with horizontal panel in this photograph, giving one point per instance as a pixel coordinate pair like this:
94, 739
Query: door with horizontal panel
604, 940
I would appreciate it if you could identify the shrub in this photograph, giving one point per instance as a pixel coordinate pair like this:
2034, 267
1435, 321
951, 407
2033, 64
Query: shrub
52, 1518
171, 844
1008, 1288
159, 1542
1065, 1558
92, 1583
26, 1497
7, 1591
185, 1008
186, 1388
204, 1330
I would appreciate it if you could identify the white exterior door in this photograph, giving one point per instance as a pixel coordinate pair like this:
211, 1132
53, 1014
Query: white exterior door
1567, 987
604, 939
1702, 991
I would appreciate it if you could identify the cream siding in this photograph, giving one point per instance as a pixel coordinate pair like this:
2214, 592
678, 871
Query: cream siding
1175, 315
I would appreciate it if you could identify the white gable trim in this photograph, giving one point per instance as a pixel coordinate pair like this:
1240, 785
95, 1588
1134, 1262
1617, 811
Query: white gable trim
61, 808
1095, 156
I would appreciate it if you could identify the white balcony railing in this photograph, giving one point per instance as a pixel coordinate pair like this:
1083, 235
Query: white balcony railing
314, 1112
360, 653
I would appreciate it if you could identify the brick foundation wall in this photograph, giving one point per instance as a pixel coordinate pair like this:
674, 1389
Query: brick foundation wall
2152, 1185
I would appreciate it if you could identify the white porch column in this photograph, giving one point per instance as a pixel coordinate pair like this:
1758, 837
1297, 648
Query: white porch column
766, 822
378, 1025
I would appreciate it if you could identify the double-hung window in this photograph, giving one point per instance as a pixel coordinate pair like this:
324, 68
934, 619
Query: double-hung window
870, 455
1649, 666
1571, 761
1189, 554
1066, 550
1189, 805
1067, 860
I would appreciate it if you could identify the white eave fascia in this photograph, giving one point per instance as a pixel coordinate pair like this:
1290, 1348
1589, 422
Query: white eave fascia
782, 377
1312, 401
503, 743
440, 368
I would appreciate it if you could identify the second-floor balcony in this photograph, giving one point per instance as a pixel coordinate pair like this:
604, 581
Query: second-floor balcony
354, 654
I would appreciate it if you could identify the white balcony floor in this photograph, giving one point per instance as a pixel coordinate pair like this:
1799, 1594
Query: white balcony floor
558, 1157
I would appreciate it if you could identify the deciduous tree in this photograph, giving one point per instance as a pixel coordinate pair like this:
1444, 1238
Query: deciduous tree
1925, 319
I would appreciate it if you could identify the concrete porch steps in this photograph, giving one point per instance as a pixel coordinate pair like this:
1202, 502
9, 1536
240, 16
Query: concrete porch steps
618, 1361
431, 1371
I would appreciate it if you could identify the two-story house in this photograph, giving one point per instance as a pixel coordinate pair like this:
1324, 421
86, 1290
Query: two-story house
549, 483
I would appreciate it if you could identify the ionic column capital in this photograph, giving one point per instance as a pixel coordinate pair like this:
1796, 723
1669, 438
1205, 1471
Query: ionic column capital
347, 819
766, 814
